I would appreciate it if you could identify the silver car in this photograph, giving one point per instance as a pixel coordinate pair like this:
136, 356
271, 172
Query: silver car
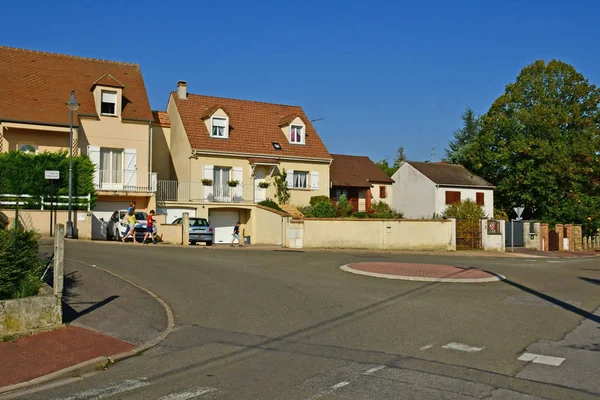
200, 230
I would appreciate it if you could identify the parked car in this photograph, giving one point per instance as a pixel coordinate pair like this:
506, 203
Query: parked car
200, 230
115, 230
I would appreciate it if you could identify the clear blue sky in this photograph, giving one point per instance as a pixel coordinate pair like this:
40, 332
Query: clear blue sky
382, 75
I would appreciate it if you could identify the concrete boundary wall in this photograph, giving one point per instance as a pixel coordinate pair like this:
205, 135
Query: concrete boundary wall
39, 220
378, 234
21, 316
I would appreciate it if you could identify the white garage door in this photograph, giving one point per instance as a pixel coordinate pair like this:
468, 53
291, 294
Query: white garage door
174, 213
222, 223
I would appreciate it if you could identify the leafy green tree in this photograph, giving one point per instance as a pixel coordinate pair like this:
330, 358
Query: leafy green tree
282, 192
458, 147
464, 210
398, 161
539, 143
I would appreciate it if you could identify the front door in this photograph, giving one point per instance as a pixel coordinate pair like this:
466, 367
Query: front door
260, 194
221, 187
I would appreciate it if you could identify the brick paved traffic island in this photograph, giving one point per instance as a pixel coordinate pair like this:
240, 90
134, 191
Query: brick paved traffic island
422, 272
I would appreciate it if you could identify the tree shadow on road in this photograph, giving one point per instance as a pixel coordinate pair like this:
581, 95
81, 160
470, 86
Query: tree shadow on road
590, 280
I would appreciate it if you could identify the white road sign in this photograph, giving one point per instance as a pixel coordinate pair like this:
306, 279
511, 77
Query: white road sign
48, 174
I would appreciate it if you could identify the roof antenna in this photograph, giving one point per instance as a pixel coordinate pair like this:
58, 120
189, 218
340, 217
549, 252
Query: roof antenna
432, 153
316, 119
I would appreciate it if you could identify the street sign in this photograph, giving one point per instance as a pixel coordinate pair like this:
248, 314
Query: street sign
519, 211
48, 174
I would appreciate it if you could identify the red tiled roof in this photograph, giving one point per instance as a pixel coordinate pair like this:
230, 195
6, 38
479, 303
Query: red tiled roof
34, 86
356, 171
108, 80
287, 119
253, 127
161, 118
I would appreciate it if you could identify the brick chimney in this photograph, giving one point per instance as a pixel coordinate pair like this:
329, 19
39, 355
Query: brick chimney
182, 90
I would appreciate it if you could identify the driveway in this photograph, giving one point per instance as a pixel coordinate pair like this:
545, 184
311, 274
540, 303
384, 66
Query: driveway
282, 324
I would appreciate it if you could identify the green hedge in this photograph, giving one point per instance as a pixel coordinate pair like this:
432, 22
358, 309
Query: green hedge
23, 173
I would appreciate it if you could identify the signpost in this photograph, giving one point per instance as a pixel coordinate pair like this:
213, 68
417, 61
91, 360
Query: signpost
51, 176
519, 211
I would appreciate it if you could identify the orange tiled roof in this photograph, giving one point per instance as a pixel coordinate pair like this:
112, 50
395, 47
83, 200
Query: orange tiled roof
108, 80
253, 127
210, 111
286, 120
34, 85
161, 118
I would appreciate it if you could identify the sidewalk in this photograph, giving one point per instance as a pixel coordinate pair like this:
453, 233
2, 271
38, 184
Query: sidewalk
106, 316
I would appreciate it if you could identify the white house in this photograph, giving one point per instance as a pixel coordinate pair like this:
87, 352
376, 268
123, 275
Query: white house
422, 189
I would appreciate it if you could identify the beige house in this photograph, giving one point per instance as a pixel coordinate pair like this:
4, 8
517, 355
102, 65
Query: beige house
217, 158
113, 124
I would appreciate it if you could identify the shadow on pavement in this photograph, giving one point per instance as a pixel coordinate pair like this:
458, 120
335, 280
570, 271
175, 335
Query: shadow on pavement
70, 314
590, 280
553, 300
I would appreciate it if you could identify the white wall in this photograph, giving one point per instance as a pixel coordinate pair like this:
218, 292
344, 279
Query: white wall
488, 198
413, 193
492, 242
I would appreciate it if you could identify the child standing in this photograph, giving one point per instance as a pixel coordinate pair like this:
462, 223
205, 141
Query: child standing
130, 218
236, 234
150, 228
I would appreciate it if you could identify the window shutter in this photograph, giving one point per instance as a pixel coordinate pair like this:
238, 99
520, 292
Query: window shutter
219, 122
94, 155
109, 97
452, 197
130, 168
290, 178
314, 180
480, 199
209, 174
382, 192
238, 175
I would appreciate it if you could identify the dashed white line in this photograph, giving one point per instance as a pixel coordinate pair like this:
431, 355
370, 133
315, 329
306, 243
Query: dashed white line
373, 370
428, 346
108, 391
190, 393
462, 347
329, 391
340, 385
540, 359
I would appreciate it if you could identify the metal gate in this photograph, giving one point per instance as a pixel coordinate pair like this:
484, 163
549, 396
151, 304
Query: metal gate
468, 235
519, 238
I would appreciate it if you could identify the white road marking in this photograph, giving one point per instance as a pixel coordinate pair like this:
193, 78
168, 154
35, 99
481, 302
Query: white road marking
427, 346
108, 391
540, 359
329, 391
190, 393
462, 347
373, 370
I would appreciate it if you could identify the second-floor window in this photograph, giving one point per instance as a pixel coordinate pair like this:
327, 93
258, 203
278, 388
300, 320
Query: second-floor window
297, 134
219, 127
111, 165
108, 104
300, 179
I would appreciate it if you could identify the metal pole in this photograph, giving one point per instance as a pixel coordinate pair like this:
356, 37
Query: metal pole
512, 235
51, 203
69, 220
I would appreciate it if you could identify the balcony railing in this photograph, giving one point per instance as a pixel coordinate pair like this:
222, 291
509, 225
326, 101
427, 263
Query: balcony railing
200, 193
128, 181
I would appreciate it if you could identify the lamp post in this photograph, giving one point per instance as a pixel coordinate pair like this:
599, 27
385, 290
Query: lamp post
73, 105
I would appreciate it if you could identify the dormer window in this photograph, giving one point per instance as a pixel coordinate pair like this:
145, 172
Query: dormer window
297, 134
108, 105
219, 127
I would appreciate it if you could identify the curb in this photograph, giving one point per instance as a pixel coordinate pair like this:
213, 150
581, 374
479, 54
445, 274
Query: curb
92, 365
495, 278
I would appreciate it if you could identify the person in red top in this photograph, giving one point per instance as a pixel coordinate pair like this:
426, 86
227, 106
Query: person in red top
149, 225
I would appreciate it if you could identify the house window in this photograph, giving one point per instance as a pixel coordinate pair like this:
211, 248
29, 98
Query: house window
382, 192
297, 135
479, 199
452, 197
27, 148
341, 192
108, 105
219, 127
111, 166
300, 179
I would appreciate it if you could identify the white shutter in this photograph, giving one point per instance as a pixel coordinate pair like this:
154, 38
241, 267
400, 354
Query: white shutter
109, 97
130, 168
314, 180
238, 175
290, 178
94, 155
209, 174
220, 122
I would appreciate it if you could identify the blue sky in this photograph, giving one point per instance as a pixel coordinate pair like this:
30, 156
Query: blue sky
381, 74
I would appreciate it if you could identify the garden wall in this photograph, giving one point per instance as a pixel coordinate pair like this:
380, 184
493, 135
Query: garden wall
376, 234
39, 220
20, 316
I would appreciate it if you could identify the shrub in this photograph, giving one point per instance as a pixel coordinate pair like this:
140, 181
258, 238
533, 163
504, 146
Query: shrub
323, 210
464, 210
20, 268
343, 209
381, 209
270, 204
360, 214
314, 200
305, 210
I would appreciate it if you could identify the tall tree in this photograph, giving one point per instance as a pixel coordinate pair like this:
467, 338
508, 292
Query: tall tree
385, 166
540, 144
398, 161
458, 147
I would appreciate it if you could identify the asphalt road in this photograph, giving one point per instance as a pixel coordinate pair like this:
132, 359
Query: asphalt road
291, 325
